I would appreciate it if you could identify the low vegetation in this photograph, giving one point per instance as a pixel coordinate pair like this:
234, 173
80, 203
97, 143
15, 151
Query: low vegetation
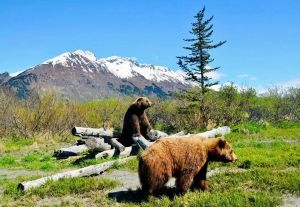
45, 116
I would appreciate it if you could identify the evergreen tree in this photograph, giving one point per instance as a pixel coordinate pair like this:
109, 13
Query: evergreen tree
195, 65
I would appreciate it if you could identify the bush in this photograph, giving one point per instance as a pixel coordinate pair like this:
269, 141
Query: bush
48, 116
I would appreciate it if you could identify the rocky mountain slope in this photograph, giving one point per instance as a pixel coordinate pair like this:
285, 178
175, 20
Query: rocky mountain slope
80, 75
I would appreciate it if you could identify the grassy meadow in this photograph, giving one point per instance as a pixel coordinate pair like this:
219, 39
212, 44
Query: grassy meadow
267, 171
264, 135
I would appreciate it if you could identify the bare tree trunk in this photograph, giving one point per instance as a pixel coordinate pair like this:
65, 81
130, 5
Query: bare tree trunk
71, 151
156, 134
82, 172
101, 132
128, 151
97, 144
141, 141
114, 142
214, 132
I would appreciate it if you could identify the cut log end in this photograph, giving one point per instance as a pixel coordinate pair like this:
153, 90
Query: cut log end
74, 132
21, 187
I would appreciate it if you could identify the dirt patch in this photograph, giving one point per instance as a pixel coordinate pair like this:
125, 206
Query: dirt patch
67, 200
291, 201
13, 174
130, 180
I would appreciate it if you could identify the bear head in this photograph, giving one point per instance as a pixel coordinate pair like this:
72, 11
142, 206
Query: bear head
142, 103
221, 151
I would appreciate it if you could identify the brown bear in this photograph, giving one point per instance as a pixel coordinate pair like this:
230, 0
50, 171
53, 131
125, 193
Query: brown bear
135, 121
186, 159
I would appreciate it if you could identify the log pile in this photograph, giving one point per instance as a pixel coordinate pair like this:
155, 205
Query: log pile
92, 139
104, 143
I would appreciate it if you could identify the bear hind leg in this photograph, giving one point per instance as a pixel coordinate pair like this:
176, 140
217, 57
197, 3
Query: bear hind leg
153, 184
183, 183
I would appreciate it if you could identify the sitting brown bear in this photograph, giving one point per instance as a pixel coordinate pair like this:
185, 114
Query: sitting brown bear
183, 158
135, 121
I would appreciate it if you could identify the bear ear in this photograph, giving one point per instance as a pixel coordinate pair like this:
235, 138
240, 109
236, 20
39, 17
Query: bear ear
222, 142
139, 101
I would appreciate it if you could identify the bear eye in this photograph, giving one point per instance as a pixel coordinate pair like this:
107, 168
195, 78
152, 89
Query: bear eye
231, 152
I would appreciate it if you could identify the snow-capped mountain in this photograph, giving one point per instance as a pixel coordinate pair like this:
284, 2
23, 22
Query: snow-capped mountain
119, 66
81, 75
128, 68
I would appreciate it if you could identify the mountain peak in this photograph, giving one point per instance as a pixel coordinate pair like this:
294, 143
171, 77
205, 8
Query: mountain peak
86, 54
71, 58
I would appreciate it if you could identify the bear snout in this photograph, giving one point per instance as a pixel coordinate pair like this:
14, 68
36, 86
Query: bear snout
234, 157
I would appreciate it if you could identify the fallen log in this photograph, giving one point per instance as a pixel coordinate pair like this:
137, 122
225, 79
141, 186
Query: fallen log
179, 134
101, 144
114, 142
82, 172
101, 132
144, 143
208, 134
156, 134
214, 132
97, 144
70, 151
75, 150
128, 151
141, 141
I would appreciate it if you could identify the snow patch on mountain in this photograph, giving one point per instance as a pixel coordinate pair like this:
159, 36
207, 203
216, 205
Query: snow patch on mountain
70, 58
16, 73
127, 68
121, 67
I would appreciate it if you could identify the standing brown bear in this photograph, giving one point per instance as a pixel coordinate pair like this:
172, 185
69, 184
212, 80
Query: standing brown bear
183, 158
135, 121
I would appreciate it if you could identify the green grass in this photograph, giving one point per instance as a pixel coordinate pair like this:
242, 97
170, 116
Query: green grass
264, 132
232, 198
35, 161
131, 165
7, 161
30, 158
249, 127
21, 142
63, 187
270, 154
286, 124
268, 168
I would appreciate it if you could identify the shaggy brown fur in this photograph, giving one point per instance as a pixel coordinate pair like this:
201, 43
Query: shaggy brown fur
183, 158
135, 121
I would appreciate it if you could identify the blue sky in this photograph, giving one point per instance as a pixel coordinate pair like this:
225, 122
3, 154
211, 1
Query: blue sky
262, 49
